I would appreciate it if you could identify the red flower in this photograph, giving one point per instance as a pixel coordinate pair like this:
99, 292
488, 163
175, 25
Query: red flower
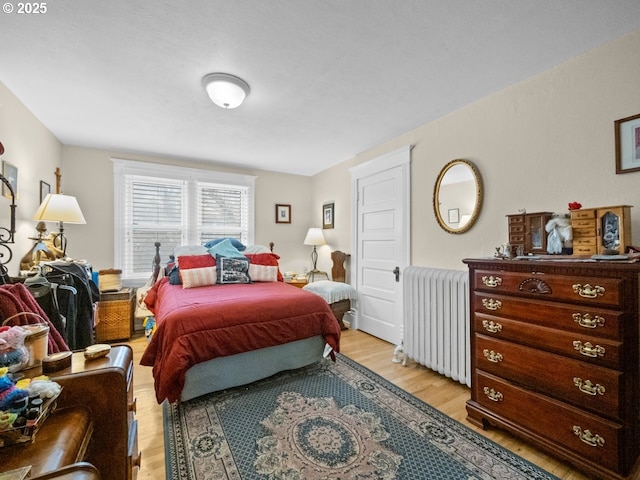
575, 206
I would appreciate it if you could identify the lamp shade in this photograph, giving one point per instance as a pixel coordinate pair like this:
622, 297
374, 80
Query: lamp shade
314, 237
59, 208
226, 91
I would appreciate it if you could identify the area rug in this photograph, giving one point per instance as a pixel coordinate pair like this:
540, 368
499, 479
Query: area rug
327, 421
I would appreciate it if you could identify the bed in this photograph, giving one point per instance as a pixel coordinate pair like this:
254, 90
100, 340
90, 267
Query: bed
216, 336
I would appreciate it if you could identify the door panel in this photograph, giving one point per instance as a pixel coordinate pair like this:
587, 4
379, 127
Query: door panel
381, 244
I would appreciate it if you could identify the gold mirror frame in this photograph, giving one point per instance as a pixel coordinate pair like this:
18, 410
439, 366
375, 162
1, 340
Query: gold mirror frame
466, 212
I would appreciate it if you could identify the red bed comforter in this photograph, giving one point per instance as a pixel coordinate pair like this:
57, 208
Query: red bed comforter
198, 324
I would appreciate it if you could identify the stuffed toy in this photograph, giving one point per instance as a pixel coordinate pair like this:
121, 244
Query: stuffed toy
560, 234
149, 325
44, 386
12, 399
13, 353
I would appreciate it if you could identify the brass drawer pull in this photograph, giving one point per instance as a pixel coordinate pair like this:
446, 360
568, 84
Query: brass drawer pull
589, 438
491, 304
133, 405
492, 356
587, 291
588, 350
588, 387
587, 321
492, 282
492, 327
493, 395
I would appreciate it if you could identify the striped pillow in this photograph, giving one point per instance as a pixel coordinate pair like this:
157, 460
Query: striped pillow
197, 270
198, 277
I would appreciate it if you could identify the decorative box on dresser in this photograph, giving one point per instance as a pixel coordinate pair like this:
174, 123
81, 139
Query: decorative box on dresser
526, 230
555, 357
599, 229
105, 386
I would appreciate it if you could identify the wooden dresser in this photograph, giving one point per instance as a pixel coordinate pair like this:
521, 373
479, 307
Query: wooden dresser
555, 358
105, 387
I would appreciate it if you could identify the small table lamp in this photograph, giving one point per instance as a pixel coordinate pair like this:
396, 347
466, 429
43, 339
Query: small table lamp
314, 237
60, 208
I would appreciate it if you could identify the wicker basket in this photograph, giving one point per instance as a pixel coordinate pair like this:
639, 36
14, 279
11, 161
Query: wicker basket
115, 311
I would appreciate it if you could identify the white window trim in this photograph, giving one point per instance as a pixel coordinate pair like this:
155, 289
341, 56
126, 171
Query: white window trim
131, 167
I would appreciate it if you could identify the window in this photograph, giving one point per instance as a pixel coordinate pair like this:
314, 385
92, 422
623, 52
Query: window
175, 206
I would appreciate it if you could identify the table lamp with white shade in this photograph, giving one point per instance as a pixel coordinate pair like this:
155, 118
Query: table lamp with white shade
57, 207
314, 237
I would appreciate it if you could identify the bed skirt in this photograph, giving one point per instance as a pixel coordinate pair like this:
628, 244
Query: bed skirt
242, 368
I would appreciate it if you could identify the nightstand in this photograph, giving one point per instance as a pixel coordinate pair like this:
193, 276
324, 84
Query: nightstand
297, 282
115, 315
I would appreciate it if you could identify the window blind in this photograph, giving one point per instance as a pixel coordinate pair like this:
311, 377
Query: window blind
176, 207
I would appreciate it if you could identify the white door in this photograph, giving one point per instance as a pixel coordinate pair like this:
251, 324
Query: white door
381, 242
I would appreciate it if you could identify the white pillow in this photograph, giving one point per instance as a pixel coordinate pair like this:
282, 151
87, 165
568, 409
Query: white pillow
253, 249
184, 250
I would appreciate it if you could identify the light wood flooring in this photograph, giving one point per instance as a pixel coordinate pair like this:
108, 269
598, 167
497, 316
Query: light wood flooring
442, 393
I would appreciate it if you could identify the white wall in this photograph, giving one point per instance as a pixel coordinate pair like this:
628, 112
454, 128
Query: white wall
539, 145
36, 153
88, 174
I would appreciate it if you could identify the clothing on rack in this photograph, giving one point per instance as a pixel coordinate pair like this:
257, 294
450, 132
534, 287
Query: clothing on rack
58, 297
19, 307
79, 332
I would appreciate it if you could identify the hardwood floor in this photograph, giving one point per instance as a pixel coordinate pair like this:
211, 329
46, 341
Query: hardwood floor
442, 393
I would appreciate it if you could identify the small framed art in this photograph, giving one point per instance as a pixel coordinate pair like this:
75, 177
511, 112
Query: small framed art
283, 213
627, 133
327, 215
10, 172
45, 188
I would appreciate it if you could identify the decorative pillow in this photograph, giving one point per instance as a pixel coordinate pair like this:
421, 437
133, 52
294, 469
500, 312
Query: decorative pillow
197, 270
196, 261
184, 250
264, 267
174, 276
225, 249
198, 277
253, 249
235, 242
232, 270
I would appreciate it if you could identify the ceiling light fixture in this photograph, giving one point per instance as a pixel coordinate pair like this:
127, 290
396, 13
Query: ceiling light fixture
226, 91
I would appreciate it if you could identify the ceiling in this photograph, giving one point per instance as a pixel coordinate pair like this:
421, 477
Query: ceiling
329, 78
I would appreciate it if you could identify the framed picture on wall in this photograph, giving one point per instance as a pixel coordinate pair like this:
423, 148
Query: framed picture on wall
10, 172
627, 133
283, 213
327, 215
454, 215
45, 189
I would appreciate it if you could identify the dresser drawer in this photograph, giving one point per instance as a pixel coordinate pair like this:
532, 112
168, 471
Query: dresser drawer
583, 214
580, 383
580, 319
587, 224
589, 241
516, 228
588, 435
600, 291
585, 250
593, 350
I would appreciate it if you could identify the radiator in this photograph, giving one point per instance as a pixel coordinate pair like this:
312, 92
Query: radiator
436, 321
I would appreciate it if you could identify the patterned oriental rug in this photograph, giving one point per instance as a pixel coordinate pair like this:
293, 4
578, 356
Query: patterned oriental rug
327, 421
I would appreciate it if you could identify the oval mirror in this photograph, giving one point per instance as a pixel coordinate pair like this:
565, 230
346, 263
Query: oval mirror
457, 196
